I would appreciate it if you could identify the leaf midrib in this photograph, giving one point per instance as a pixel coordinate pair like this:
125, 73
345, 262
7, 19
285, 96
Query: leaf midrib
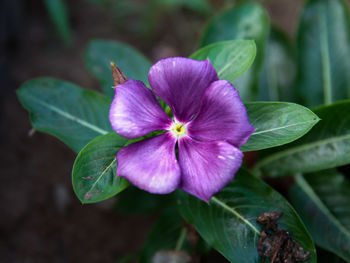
283, 127
303, 184
235, 213
325, 61
70, 117
301, 148
223, 69
102, 174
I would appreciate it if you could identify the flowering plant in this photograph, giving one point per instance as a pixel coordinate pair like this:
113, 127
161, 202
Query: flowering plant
209, 124
195, 124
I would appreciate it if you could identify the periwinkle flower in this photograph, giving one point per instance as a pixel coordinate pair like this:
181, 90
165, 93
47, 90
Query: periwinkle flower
210, 124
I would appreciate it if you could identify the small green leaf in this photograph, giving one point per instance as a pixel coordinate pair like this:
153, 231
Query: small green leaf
325, 146
99, 54
277, 123
247, 20
228, 222
62, 109
230, 58
58, 12
168, 233
277, 80
322, 200
94, 171
323, 50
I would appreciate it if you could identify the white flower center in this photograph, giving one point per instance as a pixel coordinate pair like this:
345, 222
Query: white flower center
178, 129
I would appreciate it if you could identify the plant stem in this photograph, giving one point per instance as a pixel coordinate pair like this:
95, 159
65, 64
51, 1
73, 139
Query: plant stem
181, 239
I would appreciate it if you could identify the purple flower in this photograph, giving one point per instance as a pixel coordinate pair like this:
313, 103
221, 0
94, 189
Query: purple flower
210, 124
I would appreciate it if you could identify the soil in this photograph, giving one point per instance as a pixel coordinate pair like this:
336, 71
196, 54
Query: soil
41, 219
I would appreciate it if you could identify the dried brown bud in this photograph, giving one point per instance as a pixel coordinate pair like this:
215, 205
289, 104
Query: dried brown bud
117, 74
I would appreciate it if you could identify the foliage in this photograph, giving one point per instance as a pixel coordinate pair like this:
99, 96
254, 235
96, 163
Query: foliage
292, 140
326, 194
228, 222
325, 146
58, 13
247, 20
99, 54
322, 51
73, 115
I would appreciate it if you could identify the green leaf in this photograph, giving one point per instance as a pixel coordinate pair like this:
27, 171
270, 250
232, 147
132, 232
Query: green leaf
168, 233
228, 222
62, 109
58, 13
277, 80
94, 171
325, 146
230, 58
247, 20
99, 54
277, 123
323, 46
129, 201
322, 200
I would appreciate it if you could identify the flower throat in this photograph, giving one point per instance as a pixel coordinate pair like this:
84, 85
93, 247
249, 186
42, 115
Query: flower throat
178, 129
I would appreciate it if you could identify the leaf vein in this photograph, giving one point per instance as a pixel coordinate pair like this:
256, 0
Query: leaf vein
311, 193
282, 127
233, 211
71, 117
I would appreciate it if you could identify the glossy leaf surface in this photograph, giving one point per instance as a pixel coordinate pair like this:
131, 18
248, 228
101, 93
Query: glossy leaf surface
322, 200
228, 222
277, 123
100, 53
247, 20
278, 76
325, 146
62, 109
94, 171
323, 46
229, 58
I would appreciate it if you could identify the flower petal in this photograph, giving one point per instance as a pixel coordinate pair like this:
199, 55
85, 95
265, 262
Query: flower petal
222, 116
151, 164
135, 111
207, 166
181, 82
